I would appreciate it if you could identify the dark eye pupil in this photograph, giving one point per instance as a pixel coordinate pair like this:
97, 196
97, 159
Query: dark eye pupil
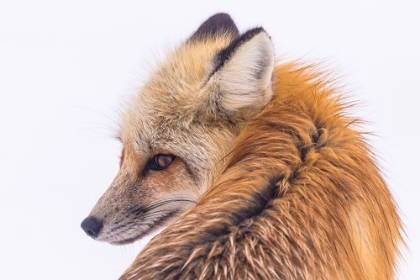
160, 162
163, 160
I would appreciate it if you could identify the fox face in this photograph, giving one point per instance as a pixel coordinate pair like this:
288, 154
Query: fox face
177, 131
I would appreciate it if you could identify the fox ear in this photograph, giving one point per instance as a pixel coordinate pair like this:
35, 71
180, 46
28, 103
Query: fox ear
218, 24
242, 73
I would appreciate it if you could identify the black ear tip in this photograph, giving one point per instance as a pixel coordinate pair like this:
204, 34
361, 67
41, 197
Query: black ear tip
221, 17
217, 24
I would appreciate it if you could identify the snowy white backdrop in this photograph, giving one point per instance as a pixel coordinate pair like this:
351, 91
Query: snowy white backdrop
67, 66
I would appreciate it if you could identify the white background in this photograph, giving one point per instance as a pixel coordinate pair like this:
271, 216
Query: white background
67, 67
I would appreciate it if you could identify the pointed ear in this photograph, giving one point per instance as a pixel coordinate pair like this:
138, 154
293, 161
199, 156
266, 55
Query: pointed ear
218, 24
242, 75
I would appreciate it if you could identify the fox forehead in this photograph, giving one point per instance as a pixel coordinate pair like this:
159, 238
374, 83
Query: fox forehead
170, 99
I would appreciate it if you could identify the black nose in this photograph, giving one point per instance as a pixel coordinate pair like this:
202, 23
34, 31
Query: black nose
92, 226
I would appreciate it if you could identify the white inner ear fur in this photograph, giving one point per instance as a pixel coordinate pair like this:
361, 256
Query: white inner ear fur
246, 78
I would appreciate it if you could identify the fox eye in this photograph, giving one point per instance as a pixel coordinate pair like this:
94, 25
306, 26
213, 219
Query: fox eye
160, 162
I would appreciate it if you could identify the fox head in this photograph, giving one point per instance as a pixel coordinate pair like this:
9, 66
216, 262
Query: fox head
178, 130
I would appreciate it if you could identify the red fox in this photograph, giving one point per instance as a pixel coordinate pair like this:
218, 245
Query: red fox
252, 165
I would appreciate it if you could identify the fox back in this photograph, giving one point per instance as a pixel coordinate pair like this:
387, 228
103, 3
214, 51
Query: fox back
254, 166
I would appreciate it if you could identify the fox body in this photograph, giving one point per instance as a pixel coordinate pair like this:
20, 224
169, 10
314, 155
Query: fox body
254, 166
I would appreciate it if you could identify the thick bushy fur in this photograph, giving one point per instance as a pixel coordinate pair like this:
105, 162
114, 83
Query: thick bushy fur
297, 196
301, 198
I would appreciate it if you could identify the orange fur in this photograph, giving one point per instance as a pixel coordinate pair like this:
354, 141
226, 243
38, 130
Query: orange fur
300, 198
